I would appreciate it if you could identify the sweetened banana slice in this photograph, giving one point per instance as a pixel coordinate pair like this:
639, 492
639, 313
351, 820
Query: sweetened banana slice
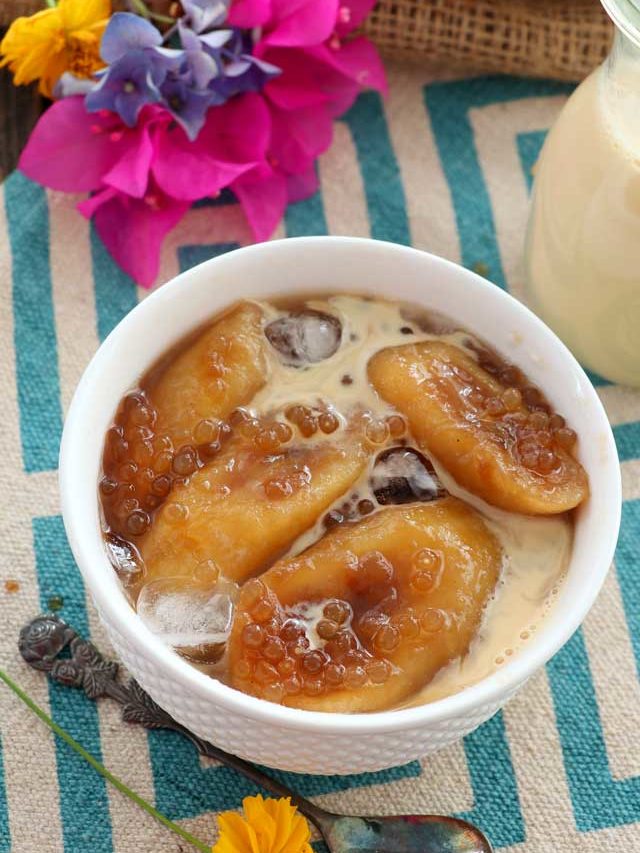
368, 615
481, 430
244, 509
222, 369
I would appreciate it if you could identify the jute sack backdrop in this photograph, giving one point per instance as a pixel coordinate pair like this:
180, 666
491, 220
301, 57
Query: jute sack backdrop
565, 39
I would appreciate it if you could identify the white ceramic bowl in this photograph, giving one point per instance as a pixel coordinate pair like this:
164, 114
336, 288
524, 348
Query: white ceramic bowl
282, 737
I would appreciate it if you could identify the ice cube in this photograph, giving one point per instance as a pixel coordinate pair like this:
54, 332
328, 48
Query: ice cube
305, 337
403, 475
186, 617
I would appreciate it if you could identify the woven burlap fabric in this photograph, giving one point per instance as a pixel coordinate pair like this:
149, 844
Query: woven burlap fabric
539, 38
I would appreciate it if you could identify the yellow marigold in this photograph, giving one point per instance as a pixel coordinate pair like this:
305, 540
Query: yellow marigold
268, 826
63, 38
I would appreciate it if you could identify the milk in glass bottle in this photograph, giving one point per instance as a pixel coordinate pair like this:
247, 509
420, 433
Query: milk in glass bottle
583, 244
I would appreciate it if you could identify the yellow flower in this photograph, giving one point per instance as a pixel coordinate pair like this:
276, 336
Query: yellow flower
64, 38
268, 826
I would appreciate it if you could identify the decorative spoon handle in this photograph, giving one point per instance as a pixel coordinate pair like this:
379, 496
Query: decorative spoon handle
43, 639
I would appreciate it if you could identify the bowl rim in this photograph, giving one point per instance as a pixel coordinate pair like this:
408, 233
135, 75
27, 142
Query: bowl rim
118, 613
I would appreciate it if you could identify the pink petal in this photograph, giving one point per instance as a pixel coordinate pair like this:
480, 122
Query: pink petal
298, 85
302, 186
131, 173
133, 230
71, 149
249, 13
357, 59
299, 136
238, 130
263, 196
301, 23
351, 14
89, 206
188, 170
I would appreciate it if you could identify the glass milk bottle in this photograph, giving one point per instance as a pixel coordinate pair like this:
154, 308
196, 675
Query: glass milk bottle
583, 245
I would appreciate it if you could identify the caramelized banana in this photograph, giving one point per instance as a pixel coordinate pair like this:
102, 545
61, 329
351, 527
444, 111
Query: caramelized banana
368, 615
244, 509
480, 430
221, 370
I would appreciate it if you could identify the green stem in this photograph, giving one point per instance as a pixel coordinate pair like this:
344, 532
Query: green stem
102, 770
50, 3
141, 8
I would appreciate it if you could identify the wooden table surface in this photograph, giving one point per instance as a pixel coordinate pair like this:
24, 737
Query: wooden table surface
20, 107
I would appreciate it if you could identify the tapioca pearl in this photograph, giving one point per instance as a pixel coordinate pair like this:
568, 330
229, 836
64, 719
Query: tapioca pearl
374, 568
334, 674
243, 669
249, 428
556, 422
378, 671
238, 416
407, 625
531, 396
216, 364
291, 631
283, 432
377, 432
206, 431
251, 593
495, 406
207, 572
337, 611
292, 685
273, 692
308, 425
328, 422
547, 461
313, 686
298, 647
262, 610
312, 662
127, 471
356, 657
355, 677
510, 375
340, 645
512, 399
175, 513
397, 426
432, 620
162, 462
530, 457
287, 666
128, 505
266, 673
332, 519
565, 438
274, 649
326, 629
108, 486
253, 636
477, 398
138, 522
365, 507
116, 444
267, 440
538, 420
161, 486
277, 488
294, 414
185, 461
369, 624
387, 639
142, 452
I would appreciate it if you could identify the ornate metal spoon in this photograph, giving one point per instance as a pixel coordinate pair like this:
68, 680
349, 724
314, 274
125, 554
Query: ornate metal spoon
44, 638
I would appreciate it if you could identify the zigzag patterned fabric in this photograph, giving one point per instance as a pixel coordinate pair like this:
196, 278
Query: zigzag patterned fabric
444, 165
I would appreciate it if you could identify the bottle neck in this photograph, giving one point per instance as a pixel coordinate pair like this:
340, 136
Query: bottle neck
625, 14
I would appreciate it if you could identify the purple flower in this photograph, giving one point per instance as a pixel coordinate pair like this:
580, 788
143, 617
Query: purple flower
135, 71
242, 72
202, 15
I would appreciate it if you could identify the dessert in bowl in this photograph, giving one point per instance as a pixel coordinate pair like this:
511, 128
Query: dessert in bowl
356, 494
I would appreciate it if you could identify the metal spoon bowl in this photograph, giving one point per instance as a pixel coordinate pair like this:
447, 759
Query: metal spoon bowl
41, 644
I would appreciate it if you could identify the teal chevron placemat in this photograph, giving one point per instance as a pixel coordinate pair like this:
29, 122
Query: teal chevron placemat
445, 165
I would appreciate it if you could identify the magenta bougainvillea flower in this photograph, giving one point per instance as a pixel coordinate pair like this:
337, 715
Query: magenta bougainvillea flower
247, 101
